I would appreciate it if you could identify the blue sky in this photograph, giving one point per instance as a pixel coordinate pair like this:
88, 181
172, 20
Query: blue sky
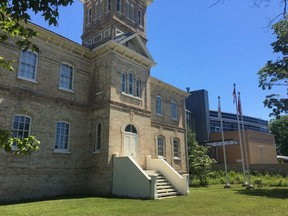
202, 48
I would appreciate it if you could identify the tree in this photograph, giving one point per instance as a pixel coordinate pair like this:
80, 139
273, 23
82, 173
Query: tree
14, 16
18, 146
279, 127
276, 72
199, 162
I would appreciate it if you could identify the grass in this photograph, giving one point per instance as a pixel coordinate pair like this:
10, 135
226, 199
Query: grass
213, 200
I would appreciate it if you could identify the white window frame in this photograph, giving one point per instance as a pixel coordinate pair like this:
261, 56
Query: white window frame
159, 104
176, 149
21, 128
28, 63
62, 76
62, 148
98, 138
174, 110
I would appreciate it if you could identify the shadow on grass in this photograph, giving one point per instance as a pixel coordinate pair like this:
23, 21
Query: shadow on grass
279, 193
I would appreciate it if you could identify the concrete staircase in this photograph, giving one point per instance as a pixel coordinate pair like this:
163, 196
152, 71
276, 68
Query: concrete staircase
164, 187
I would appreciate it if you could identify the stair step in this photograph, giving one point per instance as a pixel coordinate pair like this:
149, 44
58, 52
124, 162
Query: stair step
167, 194
164, 188
165, 191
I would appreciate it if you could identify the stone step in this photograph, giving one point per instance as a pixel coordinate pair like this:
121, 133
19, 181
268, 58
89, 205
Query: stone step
165, 191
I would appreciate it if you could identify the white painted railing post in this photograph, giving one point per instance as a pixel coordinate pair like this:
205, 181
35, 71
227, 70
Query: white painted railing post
186, 177
154, 187
148, 161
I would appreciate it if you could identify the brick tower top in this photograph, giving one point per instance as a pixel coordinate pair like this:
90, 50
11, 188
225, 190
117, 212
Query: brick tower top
108, 19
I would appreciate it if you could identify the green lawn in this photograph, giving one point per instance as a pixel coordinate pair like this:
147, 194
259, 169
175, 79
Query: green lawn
213, 201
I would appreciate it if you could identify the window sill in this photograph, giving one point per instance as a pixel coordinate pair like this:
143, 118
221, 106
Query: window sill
62, 151
160, 115
177, 159
27, 79
174, 119
132, 96
67, 90
96, 152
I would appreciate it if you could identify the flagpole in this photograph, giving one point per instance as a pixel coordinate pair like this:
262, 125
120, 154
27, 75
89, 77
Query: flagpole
239, 132
227, 185
244, 141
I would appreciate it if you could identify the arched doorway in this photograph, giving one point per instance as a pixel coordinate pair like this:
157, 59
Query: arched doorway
131, 141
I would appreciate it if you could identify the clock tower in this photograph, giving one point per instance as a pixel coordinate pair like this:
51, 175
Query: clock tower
106, 20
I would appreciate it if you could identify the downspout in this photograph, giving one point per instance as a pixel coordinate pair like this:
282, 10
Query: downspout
186, 138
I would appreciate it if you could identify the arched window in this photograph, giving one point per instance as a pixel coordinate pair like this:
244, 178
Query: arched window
159, 105
66, 76
138, 88
131, 83
89, 16
161, 146
21, 127
176, 148
98, 137
131, 129
140, 22
123, 83
62, 136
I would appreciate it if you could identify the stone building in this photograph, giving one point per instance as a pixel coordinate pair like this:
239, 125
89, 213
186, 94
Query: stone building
104, 123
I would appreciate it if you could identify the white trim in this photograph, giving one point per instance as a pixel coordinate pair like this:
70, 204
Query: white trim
67, 90
27, 79
132, 96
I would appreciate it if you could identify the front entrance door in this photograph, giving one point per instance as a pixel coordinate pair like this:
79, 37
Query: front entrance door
131, 142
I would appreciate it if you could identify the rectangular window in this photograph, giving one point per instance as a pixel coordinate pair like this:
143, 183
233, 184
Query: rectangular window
21, 127
132, 11
159, 105
119, 5
160, 146
66, 76
98, 138
108, 5
127, 9
28, 65
89, 16
62, 136
123, 83
173, 110
131, 83
176, 148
